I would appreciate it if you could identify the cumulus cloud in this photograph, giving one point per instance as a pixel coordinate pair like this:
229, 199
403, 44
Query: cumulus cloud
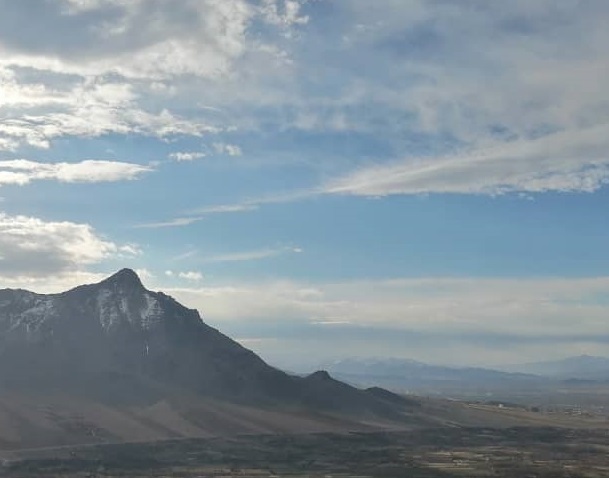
31, 247
125, 67
38, 114
21, 171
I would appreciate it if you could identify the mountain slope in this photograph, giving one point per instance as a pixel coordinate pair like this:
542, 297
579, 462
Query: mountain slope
121, 343
117, 326
115, 362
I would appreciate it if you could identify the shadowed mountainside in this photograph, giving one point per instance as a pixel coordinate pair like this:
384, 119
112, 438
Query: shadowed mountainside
116, 348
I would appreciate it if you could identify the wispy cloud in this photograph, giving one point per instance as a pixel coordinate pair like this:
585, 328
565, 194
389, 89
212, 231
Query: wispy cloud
199, 214
255, 255
192, 276
228, 149
227, 208
566, 162
21, 171
187, 155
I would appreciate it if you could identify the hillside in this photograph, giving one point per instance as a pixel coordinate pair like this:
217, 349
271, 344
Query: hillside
114, 361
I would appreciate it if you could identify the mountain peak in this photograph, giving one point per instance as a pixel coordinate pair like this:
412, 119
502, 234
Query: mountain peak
125, 277
319, 375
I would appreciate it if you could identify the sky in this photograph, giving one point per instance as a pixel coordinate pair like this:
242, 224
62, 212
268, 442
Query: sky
321, 179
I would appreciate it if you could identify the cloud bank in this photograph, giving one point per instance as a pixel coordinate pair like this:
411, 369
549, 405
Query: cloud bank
461, 320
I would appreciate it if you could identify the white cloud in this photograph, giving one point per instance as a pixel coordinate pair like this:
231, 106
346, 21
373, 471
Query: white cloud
177, 222
558, 308
88, 108
32, 248
226, 208
125, 67
145, 274
139, 40
228, 149
452, 71
187, 155
199, 215
21, 171
284, 13
191, 276
504, 320
566, 161
255, 255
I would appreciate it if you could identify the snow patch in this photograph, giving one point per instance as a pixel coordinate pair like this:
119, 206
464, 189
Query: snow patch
151, 312
115, 309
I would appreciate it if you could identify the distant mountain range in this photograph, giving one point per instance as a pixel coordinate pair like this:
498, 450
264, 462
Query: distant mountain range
114, 353
582, 367
411, 375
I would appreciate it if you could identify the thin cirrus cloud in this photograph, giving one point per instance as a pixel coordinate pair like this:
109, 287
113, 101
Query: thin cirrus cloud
254, 255
199, 214
21, 171
566, 162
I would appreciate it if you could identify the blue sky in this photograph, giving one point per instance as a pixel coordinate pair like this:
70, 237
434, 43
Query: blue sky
321, 178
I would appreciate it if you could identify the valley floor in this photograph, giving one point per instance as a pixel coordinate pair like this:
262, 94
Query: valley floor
441, 452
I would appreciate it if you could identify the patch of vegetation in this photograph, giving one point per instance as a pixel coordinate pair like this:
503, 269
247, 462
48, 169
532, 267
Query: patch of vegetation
431, 453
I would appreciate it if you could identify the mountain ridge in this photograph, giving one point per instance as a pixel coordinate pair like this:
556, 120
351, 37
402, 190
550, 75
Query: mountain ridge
116, 332
584, 367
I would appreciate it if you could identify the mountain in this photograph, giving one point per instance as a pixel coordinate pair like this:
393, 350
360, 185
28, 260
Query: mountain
117, 344
583, 367
119, 328
407, 374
